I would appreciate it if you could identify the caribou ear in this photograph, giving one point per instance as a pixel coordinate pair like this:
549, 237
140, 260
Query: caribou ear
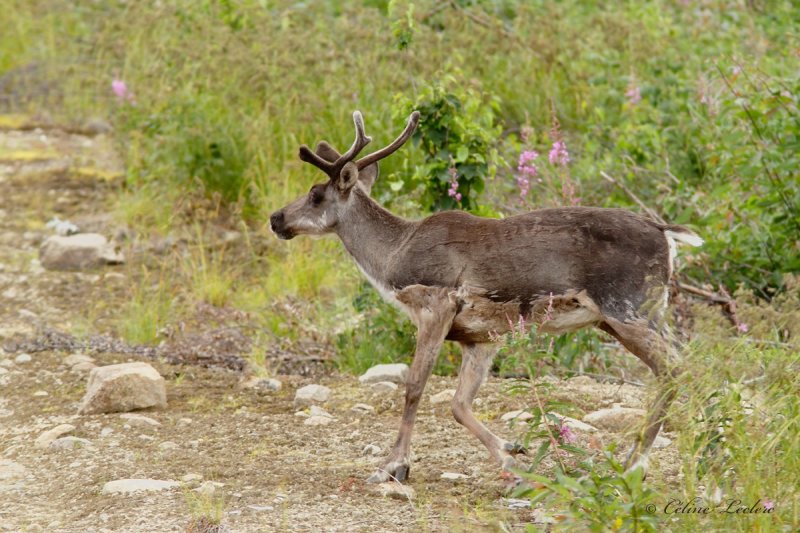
367, 177
348, 177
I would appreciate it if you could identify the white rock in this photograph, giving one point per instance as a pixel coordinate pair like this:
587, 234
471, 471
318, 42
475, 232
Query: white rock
394, 373
516, 416
392, 489
453, 476
44, 440
311, 394
318, 411
317, 421
129, 486
384, 387
208, 488
6, 363
168, 445
77, 358
576, 424
184, 421
260, 508
22, 359
11, 470
69, 443
443, 397
78, 252
371, 449
140, 421
190, 478
41, 393
262, 384
615, 418
362, 408
123, 387
661, 442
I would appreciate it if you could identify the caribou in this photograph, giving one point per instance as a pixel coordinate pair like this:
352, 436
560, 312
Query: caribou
468, 279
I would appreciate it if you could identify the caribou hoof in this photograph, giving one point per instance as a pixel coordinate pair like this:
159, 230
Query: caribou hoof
515, 448
394, 471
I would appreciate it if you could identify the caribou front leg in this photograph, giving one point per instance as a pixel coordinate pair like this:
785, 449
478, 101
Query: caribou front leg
432, 309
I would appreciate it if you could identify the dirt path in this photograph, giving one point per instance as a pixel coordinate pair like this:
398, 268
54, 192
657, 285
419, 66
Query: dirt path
278, 474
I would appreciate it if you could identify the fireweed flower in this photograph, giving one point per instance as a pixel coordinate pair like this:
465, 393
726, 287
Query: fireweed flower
566, 434
633, 94
527, 169
453, 191
742, 327
769, 505
558, 154
120, 89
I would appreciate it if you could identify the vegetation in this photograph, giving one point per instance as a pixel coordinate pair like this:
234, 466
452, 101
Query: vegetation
689, 108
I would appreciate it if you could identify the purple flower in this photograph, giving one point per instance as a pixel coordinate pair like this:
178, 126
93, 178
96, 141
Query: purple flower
769, 504
526, 169
120, 89
453, 191
742, 327
633, 94
566, 434
558, 154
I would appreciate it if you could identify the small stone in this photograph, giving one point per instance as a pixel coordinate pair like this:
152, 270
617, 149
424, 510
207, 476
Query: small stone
443, 397
576, 424
106, 432
140, 421
262, 384
261, 508
516, 416
44, 440
384, 387
77, 358
394, 373
362, 408
191, 478
78, 252
6, 363
453, 476
661, 442
168, 445
515, 503
69, 443
41, 393
318, 411
317, 421
22, 358
208, 488
123, 387
184, 421
615, 418
392, 489
371, 449
129, 486
311, 394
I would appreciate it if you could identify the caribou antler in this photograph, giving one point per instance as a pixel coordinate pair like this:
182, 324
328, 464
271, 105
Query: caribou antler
334, 168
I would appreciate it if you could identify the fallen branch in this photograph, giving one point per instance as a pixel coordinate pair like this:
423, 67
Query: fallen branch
655, 216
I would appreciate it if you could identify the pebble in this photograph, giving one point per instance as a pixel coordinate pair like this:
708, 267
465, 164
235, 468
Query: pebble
362, 408
45, 439
140, 421
129, 486
453, 476
371, 449
661, 442
22, 358
263, 384
392, 489
311, 394
41, 393
168, 445
516, 416
69, 443
184, 421
615, 418
394, 373
189, 478
260, 508
443, 397
384, 387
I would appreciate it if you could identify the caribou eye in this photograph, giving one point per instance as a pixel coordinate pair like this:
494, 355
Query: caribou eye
315, 195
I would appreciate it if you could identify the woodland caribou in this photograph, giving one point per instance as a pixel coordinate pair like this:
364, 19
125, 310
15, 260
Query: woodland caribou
465, 278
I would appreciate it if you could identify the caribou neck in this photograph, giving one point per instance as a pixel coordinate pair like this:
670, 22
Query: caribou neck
371, 235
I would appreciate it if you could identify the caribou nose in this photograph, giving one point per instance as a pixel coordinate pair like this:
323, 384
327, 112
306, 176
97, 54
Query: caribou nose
276, 221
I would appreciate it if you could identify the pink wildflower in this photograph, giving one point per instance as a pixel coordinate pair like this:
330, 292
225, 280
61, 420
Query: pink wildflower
120, 89
742, 327
527, 169
769, 505
566, 434
558, 154
452, 192
633, 94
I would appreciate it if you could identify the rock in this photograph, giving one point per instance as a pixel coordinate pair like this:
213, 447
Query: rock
62, 227
582, 381
78, 252
183, 422
41, 393
392, 489
260, 508
69, 443
362, 408
83, 367
78, 358
576, 424
318, 411
615, 418
11, 473
453, 476
262, 384
190, 478
310, 394
22, 358
140, 421
318, 417
44, 440
129, 486
168, 445
661, 442
123, 387
516, 416
371, 449
443, 397
209, 488
394, 373
384, 387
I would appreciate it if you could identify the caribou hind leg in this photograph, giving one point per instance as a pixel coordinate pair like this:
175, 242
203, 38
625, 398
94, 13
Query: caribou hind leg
432, 310
651, 346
